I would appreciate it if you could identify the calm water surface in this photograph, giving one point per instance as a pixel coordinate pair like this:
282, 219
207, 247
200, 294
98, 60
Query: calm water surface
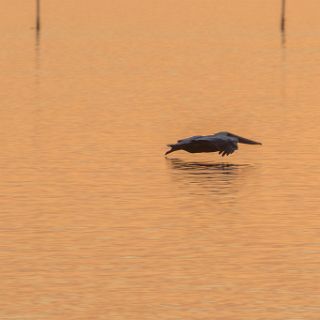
96, 224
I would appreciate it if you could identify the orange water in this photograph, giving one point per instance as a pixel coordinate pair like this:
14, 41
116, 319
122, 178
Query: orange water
96, 224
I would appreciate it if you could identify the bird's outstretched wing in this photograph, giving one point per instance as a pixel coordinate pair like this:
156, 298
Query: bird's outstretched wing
211, 143
188, 140
224, 146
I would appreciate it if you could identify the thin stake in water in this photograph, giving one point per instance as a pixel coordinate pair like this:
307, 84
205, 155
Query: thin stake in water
283, 16
38, 15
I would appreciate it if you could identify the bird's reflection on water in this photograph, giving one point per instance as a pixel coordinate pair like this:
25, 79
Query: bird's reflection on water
216, 177
199, 167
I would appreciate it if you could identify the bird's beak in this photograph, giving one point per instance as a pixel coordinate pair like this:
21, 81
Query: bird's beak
246, 141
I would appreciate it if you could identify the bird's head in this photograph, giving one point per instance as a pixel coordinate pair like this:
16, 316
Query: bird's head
241, 139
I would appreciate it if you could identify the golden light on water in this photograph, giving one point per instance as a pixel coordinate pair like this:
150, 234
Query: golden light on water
96, 223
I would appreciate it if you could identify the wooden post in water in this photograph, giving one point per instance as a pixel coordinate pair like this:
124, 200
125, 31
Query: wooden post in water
38, 15
283, 15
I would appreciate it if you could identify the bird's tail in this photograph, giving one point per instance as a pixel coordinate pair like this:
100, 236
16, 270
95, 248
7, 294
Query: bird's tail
173, 148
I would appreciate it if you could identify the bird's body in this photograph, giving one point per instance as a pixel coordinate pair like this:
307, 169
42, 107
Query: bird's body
223, 142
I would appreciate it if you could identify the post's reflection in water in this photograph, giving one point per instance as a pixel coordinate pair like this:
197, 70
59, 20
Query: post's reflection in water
283, 39
37, 48
213, 177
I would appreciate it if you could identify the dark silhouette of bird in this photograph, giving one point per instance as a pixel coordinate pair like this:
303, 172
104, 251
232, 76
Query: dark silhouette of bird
223, 142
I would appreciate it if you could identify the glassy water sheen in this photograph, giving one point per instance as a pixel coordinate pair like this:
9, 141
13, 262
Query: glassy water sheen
96, 223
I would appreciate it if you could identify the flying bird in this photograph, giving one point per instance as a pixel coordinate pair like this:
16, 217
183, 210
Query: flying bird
223, 142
